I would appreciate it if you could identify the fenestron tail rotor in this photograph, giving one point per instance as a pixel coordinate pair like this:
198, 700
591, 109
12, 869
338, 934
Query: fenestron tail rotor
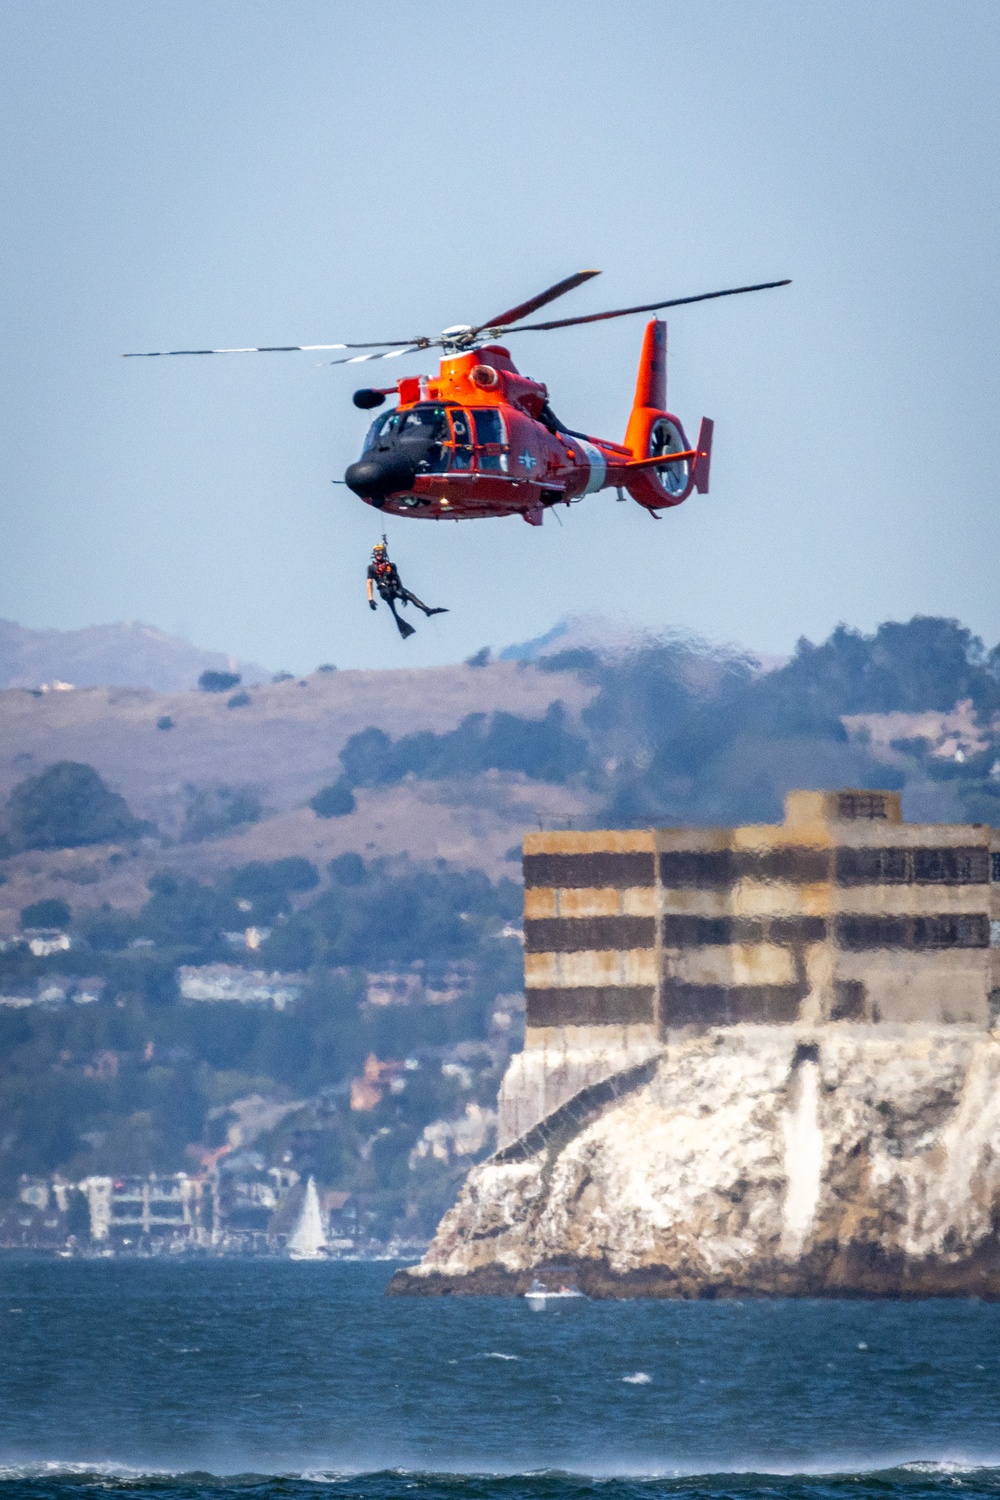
469, 336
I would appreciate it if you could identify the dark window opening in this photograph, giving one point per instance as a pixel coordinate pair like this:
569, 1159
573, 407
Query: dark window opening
950, 866
858, 933
934, 866
872, 866
861, 805
848, 1000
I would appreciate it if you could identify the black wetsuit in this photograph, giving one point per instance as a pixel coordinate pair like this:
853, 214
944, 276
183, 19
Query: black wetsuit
385, 577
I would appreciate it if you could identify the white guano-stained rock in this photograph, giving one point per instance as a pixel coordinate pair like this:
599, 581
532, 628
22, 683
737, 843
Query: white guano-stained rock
771, 1160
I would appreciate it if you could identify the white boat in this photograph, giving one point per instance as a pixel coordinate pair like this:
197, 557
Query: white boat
539, 1296
308, 1240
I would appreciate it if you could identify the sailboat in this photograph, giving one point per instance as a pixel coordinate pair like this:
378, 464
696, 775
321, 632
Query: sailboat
307, 1240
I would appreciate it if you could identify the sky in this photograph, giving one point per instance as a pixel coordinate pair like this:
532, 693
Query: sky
231, 172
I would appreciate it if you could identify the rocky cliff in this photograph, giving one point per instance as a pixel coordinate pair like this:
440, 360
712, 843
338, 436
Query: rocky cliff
751, 1160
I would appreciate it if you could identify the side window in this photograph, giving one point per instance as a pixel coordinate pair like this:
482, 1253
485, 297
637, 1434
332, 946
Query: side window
489, 440
462, 433
489, 427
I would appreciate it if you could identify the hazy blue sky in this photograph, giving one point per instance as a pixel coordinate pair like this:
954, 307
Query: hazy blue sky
206, 172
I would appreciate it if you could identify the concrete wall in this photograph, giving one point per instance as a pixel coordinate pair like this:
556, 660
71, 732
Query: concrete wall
841, 913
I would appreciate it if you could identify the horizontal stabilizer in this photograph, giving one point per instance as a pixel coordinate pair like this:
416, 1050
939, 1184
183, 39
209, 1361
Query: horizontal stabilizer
661, 460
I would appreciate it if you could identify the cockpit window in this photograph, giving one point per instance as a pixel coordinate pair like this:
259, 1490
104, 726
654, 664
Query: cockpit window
445, 435
489, 427
378, 428
425, 422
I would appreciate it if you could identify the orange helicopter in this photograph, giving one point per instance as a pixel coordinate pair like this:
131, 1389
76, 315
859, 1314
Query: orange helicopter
481, 439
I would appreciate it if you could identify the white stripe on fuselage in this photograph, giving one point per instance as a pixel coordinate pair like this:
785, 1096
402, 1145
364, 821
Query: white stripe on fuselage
598, 465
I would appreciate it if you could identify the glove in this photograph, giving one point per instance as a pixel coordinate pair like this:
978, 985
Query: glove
372, 604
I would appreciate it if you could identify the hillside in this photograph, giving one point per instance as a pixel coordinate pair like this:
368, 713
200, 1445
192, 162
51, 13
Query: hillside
365, 828
277, 749
666, 731
127, 654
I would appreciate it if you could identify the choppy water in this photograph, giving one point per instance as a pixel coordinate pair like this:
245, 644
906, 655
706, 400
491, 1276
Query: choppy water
263, 1378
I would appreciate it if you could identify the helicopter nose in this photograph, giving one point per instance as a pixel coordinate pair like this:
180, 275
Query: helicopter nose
376, 476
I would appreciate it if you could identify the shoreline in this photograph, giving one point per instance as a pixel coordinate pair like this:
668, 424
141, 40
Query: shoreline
827, 1273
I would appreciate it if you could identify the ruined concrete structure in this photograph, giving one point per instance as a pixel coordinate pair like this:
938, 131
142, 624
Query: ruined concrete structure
842, 912
760, 1060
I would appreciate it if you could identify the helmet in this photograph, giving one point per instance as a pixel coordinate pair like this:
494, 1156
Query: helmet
379, 550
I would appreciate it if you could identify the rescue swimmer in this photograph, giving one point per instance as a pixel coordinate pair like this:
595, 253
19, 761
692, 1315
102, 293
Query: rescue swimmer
383, 575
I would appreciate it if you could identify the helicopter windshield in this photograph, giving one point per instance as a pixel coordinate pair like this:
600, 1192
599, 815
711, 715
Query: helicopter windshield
424, 422
377, 428
444, 444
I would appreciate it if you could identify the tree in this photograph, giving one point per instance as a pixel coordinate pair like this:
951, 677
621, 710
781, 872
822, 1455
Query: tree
66, 806
266, 885
218, 682
274, 877
214, 810
348, 869
333, 801
50, 912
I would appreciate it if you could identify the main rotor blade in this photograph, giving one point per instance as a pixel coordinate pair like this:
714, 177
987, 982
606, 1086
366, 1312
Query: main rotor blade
359, 359
623, 312
272, 349
525, 309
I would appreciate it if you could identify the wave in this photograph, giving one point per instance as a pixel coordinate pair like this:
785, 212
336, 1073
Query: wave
49, 1479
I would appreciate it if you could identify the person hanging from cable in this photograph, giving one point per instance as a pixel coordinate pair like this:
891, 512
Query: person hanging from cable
384, 576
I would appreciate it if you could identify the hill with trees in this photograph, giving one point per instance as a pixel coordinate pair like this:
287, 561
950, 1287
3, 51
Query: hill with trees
365, 846
127, 654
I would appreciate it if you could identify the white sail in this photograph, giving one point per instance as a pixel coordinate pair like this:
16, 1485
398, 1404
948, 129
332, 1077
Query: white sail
308, 1241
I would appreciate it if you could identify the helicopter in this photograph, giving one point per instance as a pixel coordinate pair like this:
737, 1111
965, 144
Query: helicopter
481, 439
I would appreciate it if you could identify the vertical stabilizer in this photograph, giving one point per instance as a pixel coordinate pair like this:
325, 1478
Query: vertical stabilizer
651, 384
703, 462
653, 433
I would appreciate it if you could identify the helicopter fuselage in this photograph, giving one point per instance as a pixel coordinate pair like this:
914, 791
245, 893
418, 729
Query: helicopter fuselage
481, 440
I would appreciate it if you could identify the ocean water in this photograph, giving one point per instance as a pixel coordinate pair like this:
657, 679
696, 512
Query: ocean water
263, 1378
